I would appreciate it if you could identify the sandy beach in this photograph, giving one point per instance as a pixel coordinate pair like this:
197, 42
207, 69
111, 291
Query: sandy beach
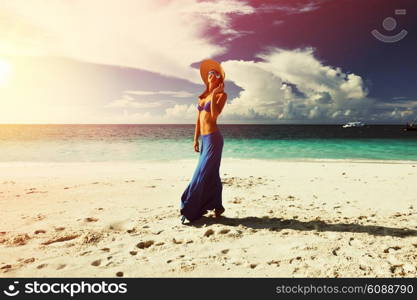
282, 219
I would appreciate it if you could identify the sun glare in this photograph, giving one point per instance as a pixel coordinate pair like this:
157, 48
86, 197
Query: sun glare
5, 68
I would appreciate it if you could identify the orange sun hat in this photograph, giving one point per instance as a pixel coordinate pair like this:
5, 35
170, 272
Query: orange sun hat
210, 64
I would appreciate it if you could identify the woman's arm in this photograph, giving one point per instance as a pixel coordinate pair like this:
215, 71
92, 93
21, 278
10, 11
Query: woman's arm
197, 127
221, 102
217, 103
197, 131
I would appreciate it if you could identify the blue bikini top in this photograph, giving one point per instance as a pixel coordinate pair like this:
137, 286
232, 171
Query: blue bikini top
206, 107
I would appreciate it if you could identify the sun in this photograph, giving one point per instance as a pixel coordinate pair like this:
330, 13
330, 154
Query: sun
5, 69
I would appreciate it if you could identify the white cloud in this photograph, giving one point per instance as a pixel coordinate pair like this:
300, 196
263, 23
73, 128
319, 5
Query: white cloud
175, 94
127, 101
168, 37
181, 113
177, 113
404, 111
287, 85
269, 88
129, 118
402, 102
401, 114
294, 9
162, 37
218, 13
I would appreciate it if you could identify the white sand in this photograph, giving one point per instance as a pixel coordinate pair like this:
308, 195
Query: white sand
282, 219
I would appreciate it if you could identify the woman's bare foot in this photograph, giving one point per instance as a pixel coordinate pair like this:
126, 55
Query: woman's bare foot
218, 212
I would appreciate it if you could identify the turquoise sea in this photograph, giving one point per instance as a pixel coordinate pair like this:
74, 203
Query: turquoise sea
91, 143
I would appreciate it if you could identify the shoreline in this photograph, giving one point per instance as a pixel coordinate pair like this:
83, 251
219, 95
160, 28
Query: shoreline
225, 159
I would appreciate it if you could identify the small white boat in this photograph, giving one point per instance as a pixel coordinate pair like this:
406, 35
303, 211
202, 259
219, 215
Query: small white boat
411, 126
353, 124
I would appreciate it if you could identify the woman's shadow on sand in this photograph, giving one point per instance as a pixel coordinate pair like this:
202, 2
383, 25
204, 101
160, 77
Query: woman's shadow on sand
278, 224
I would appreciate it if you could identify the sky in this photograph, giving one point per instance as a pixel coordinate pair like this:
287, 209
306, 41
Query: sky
137, 61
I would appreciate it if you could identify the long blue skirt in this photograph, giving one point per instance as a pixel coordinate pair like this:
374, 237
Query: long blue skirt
204, 192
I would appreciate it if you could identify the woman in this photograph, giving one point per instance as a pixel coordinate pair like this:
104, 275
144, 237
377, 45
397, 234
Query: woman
204, 192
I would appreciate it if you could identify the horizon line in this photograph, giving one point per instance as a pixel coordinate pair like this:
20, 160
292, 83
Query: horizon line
194, 124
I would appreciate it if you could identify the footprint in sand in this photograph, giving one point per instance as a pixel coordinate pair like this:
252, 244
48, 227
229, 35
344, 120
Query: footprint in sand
364, 267
295, 258
389, 249
397, 214
119, 274
209, 232
105, 249
397, 269
42, 266
29, 260
236, 262
274, 262
61, 239
19, 240
90, 219
40, 231
118, 225
39, 217
175, 241
147, 244
133, 252
96, 263
236, 200
61, 266
92, 238
186, 267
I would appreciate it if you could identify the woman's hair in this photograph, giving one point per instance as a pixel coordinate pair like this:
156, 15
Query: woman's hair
204, 94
